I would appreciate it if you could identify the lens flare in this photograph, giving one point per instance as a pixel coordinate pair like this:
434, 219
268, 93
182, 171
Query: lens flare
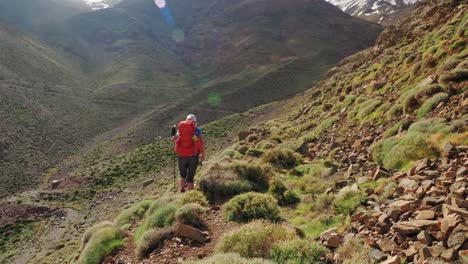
160, 3
178, 35
214, 99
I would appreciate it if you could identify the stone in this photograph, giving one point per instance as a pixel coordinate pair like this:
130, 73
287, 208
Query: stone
55, 184
399, 207
449, 255
148, 182
377, 255
463, 254
410, 251
415, 226
408, 184
457, 237
380, 173
425, 215
331, 239
425, 238
437, 249
448, 223
386, 245
392, 260
189, 232
424, 253
448, 209
432, 201
109, 260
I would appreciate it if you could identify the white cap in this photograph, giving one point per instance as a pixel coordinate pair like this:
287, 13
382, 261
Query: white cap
192, 117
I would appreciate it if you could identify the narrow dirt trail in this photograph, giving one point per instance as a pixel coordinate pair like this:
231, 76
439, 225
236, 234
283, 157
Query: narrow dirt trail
178, 249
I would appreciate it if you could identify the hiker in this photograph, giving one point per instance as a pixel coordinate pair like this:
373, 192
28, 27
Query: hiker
190, 149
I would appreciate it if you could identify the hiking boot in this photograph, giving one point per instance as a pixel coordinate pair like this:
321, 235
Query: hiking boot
182, 185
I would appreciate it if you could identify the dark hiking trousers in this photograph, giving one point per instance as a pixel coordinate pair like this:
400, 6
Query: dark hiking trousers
188, 167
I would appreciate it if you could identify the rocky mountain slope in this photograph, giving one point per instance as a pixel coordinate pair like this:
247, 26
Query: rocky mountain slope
380, 11
143, 66
369, 166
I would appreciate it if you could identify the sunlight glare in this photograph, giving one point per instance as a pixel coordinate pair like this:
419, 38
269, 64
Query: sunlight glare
160, 3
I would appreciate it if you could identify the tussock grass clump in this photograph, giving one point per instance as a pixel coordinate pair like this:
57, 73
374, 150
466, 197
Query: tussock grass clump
102, 243
220, 182
190, 214
264, 145
133, 213
229, 258
395, 111
252, 172
392, 131
92, 231
348, 202
193, 196
151, 240
162, 217
249, 206
282, 194
431, 104
454, 76
254, 240
354, 251
253, 152
297, 251
282, 157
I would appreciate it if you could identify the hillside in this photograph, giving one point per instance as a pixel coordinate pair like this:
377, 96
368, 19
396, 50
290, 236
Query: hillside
31, 14
367, 166
384, 12
228, 51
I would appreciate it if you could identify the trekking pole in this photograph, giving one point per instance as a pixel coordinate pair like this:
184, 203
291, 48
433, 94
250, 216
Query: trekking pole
173, 133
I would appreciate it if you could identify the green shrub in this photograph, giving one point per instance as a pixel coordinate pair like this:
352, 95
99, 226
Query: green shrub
151, 240
254, 239
249, 206
251, 172
132, 214
277, 188
348, 202
162, 217
369, 108
230, 153
297, 251
220, 183
190, 214
92, 231
193, 196
229, 258
458, 44
102, 243
281, 157
290, 197
431, 104
425, 92
392, 131
449, 64
253, 152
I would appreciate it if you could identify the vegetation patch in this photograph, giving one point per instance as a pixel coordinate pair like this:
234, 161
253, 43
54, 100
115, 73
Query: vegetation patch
249, 206
193, 196
354, 251
191, 214
229, 258
281, 157
254, 240
300, 251
348, 202
151, 240
101, 244
431, 104
133, 213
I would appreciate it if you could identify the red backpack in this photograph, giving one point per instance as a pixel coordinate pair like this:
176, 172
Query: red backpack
184, 143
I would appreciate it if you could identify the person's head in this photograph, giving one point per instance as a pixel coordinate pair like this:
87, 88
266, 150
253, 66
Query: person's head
192, 117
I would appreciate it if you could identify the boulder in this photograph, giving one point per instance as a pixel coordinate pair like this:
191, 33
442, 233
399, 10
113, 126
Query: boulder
457, 236
449, 255
437, 249
148, 182
415, 226
399, 207
380, 173
377, 255
424, 253
448, 223
189, 232
386, 245
425, 215
448, 209
330, 238
408, 184
392, 260
425, 238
